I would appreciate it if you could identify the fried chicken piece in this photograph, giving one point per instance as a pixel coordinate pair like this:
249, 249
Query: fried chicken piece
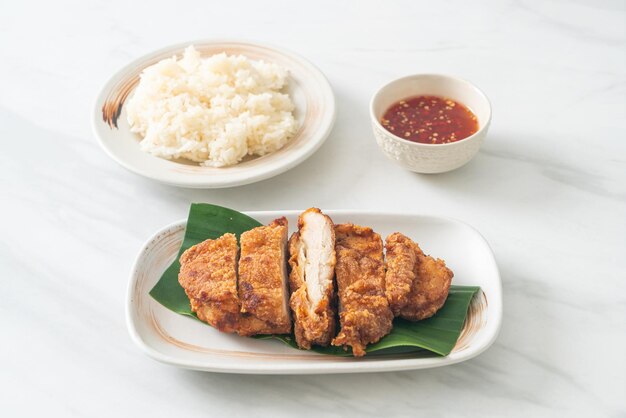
430, 284
364, 312
263, 289
312, 260
401, 263
430, 289
208, 273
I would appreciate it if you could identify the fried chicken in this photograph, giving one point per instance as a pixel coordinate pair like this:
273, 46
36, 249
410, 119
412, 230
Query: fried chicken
263, 289
364, 312
430, 279
312, 260
247, 291
401, 263
208, 273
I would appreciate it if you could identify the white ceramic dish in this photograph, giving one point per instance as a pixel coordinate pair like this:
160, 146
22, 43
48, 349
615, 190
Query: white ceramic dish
312, 95
430, 158
181, 341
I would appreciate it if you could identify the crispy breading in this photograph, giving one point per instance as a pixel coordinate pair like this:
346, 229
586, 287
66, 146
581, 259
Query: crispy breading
208, 273
364, 312
312, 260
263, 289
417, 284
401, 266
429, 291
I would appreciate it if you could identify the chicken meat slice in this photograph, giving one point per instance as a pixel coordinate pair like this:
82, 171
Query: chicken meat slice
263, 280
364, 313
312, 260
208, 273
401, 263
429, 279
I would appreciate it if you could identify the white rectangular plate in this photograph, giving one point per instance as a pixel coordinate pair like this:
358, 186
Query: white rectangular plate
181, 341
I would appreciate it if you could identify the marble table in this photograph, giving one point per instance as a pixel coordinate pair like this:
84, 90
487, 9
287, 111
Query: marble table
548, 191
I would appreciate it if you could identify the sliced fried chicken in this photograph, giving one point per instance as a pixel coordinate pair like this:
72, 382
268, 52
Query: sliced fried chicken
401, 263
364, 313
263, 289
417, 284
312, 260
208, 273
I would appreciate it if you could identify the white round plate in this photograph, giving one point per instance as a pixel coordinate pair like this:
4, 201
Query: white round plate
308, 87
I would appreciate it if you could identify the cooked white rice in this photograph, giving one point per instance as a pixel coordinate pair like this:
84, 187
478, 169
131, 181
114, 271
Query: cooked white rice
214, 111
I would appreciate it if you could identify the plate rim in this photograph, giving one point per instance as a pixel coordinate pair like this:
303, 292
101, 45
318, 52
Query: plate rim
96, 117
275, 369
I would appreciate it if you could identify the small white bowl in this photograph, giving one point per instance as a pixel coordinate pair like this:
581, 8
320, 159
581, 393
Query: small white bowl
430, 158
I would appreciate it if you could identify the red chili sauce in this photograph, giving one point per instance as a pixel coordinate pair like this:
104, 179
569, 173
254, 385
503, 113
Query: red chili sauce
430, 120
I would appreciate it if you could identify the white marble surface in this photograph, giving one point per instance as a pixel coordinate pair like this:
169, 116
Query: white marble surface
548, 190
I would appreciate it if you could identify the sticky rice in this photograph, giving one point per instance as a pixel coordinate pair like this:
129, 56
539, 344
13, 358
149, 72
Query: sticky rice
214, 110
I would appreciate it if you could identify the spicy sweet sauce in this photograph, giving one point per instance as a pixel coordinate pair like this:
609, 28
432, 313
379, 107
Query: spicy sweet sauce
430, 120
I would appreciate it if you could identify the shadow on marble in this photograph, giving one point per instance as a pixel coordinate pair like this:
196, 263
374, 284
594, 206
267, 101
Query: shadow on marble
345, 393
521, 342
506, 167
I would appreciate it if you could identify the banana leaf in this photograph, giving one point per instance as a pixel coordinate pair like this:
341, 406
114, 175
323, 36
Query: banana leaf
437, 334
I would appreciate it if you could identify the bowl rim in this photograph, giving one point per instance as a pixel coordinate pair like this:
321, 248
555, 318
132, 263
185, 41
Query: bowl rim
447, 77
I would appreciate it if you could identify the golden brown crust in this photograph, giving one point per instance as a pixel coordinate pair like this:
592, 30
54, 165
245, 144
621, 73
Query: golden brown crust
208, 273
401, 266
313, 325
262, 279
364, 312
430, 288
417, 284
